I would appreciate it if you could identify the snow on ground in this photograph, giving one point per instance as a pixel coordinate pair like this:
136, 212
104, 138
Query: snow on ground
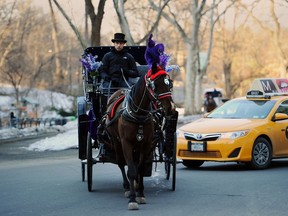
62, 141
45, 99
69, 138
68, 135
66, 138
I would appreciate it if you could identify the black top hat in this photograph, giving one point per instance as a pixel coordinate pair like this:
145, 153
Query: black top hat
119, 37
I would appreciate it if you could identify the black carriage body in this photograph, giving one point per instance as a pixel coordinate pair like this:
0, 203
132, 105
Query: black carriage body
91, 104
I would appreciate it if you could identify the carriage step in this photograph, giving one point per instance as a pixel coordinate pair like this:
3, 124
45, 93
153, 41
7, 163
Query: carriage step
94, 161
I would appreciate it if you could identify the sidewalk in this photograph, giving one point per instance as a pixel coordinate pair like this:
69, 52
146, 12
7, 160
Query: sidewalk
30, 132
186, 119
9, 134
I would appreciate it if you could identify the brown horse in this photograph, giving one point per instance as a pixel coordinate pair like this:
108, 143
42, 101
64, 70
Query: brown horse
131, 130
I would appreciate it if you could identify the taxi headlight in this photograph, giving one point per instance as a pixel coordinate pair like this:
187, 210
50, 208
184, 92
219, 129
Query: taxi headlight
234, 134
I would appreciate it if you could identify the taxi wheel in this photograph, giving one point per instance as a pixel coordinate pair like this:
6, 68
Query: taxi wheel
192, 163
261, 154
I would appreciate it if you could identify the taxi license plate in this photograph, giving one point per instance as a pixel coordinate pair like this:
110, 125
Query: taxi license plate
197, 146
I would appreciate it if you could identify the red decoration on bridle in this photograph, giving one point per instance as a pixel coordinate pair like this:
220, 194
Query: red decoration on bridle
159, 72
149, 78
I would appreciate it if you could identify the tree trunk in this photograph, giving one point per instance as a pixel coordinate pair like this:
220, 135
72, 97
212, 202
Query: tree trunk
189, 83
96, 20
57, 76
198, 93
119, 7
192, 69
77, 33
227, 77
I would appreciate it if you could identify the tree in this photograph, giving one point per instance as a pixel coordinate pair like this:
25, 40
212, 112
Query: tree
119, 6
195, 69
58, 76
6, 25
28, 63
274, 30
96, 20
73, 27
14, 62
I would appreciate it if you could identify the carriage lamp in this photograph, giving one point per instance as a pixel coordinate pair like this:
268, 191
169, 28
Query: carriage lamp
89, 87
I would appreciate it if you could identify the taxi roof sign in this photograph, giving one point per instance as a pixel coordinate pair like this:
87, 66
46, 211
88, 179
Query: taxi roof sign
257, 94
271, 86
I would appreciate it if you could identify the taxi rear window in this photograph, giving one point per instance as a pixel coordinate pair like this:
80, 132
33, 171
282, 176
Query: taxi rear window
244, 109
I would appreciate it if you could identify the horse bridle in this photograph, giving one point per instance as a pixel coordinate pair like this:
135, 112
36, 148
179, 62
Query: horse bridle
132, 108
150, 86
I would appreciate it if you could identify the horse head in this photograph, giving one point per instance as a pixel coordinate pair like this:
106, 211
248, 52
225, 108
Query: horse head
159, 86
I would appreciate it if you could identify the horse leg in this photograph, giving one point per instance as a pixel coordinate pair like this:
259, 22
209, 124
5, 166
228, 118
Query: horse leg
132, 173
140, 193
126, 184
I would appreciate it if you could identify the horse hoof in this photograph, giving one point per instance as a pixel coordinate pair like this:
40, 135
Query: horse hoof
127, 194
141, 200
133, 206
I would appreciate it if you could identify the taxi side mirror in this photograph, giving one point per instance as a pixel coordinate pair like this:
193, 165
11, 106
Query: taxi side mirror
280, 116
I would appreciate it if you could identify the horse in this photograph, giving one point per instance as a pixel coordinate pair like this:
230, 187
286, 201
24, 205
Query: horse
130, 127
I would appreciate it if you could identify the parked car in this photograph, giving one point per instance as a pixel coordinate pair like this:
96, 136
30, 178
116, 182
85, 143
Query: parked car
251, 129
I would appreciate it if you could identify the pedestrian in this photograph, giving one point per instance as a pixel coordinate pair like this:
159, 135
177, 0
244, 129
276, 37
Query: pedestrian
13, 120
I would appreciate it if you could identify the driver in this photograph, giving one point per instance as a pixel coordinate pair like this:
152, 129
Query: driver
118, 65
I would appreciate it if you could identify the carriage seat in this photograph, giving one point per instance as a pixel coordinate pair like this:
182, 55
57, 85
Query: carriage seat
142, 69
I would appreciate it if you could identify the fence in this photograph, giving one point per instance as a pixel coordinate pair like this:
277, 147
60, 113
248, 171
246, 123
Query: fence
21, 123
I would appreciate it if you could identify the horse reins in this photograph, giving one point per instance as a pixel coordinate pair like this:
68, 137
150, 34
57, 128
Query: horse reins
133, 108
150, 87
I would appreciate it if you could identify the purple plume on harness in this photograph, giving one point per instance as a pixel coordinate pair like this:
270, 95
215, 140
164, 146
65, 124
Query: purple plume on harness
153, 52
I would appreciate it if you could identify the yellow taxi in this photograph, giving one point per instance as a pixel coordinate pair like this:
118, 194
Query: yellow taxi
251, 129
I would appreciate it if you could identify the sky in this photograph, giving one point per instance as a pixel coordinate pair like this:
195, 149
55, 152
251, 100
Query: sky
75, 10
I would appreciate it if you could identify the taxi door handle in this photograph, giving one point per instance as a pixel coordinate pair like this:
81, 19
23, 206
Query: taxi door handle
283, 129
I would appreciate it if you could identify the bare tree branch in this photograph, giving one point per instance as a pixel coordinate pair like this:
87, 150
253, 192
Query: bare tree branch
71, 25
96, 20
171, 20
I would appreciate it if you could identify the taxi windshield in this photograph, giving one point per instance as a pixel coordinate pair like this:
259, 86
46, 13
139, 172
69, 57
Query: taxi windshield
243, 109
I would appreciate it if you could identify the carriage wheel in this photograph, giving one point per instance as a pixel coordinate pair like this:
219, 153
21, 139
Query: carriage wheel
89, 162
83, 171
174, 162
171, 161
167, 167
167, 164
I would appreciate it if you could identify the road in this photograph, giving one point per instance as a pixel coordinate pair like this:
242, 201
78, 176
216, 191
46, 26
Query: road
49, 183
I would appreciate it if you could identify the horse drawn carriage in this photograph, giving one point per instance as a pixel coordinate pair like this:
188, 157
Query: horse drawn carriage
114, 124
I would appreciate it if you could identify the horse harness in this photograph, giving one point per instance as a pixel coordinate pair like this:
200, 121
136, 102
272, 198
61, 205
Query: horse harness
132, 112
131, 109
